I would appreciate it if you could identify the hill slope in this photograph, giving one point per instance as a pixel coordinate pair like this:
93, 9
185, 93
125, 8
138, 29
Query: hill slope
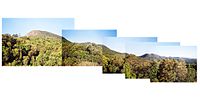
38, 48
41, 48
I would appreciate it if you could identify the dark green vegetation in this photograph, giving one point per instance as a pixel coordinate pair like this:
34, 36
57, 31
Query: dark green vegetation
157, 70
38, 48
112, 61
81, 54
41, 48
150, 66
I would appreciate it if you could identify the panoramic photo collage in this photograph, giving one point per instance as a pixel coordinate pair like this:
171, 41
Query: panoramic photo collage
56, 42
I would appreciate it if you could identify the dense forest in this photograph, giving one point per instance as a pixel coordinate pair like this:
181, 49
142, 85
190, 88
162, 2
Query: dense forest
163, 70
41, 48
38, 48
81, 54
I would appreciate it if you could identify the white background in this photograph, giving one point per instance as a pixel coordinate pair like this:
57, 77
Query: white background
170, 20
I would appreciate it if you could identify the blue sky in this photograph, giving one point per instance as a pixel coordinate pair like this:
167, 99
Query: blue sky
94, 36
173, 51
24, 25
118, 43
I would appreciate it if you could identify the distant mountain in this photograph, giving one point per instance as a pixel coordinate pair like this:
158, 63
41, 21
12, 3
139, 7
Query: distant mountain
45, 34
187, 60
152, 56
40, 33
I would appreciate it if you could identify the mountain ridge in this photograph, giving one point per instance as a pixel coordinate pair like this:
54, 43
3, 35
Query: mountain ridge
152, 56
41, 33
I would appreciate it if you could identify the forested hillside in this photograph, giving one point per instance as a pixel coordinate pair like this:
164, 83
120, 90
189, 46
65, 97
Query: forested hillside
41, 48
81, 54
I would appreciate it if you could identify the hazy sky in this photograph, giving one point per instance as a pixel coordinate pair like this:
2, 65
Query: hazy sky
173, 51
94, 36
24, 25
118, 43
